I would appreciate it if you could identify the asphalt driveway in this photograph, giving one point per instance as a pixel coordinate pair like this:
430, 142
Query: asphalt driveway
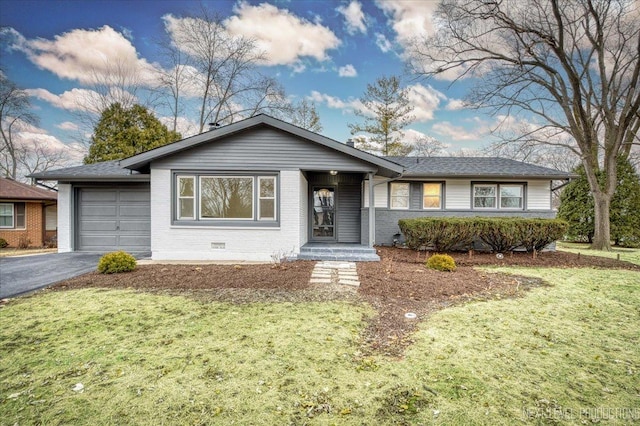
23, 274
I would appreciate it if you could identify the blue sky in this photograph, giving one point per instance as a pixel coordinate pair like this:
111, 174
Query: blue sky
325, 51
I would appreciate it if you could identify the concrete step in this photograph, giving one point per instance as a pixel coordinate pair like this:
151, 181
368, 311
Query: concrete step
345, 257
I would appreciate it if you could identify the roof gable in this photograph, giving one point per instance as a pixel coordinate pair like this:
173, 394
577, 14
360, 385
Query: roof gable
12, 190
141, 161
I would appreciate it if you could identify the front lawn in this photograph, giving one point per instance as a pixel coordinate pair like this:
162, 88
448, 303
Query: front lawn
566, 353
624, 254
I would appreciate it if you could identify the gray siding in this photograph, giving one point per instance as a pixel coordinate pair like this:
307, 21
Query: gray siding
262, 148
387, 220
349, 213
415, 195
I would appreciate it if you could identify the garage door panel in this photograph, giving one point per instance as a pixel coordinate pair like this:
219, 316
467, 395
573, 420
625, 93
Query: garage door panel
135, 241
99, 195
135, 196
134, 211
114, 218
103, 225
140, 226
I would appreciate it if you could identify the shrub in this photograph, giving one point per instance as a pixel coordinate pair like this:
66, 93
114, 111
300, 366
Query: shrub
442, 234
115, 262
23, 241
3, 243
441, 262
501, 234
536, 234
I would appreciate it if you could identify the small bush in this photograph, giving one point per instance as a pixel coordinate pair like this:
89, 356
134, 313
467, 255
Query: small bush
441, 262
440, 234
115, 262
3, 243
23, 241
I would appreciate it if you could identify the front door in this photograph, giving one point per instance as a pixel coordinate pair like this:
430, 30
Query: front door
323, 214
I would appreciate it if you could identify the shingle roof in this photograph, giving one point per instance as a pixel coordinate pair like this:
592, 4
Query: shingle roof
106, 170
474, 167
12, 190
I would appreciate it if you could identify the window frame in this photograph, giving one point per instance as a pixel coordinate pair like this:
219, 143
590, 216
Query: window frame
12, 216
274, 198
392, 197
198, 220
521, 207
498, 197
440, 195
181, 197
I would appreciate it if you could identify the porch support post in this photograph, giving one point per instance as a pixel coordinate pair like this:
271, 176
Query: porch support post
372, 212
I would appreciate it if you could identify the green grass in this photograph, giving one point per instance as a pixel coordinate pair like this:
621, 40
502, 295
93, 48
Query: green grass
626, 254
157, 359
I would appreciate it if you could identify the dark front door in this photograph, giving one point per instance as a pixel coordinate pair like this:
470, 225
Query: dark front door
323, 214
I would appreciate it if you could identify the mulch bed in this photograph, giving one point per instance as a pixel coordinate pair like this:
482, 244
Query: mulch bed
397, 285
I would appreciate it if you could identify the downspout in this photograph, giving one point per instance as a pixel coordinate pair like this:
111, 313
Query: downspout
372, 207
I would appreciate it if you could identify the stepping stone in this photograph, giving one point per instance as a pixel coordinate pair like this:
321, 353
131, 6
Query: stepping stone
320, 281
354, 283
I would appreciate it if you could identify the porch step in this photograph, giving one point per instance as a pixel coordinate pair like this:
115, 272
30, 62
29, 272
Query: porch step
350, 253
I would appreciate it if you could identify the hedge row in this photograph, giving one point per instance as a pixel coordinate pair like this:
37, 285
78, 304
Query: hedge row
500, 234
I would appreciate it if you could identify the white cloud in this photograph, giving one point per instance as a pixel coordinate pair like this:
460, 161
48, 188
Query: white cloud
456, 104
354, 17
425, 101
284, 37
88, 56
336, 103
184, 126
32, 137
409, 19
347, 71
71, 100
383, 43
67, 125
459, 133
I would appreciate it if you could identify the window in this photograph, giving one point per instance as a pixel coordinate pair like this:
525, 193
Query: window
6, 215
226, 200
484, 196
431, 196
12, 215
186, 197
502, 196
399, 195
226, 197
511, 197
267, 198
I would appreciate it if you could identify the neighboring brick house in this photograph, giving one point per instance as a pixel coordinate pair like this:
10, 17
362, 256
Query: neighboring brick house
28, 214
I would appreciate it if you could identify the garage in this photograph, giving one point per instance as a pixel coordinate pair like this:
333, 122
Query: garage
113, 218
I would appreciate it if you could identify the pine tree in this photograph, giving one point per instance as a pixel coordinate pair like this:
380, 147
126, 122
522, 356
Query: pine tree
577, 208
122, 132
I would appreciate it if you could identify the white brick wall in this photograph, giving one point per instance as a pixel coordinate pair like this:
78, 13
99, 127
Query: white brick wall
65, 242
304, 210
194, 243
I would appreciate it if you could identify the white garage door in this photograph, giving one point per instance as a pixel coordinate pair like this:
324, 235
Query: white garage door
114, 218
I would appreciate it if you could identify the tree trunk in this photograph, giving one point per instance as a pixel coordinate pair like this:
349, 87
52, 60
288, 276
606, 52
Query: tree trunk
602, 234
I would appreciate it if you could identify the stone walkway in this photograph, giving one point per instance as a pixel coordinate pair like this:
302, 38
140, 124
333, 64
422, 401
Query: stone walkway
333, 272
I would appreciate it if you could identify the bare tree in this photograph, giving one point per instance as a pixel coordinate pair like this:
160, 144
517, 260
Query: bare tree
304, 114
572, 67
15, 109
36, 156
427, 146
230, 86
173, 80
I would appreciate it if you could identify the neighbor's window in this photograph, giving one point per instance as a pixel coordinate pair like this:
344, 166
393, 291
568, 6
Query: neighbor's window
226, 197
431, 195
6, 215
12, 215
186, 197
485, 196
267, 198
511, 197
399, 195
